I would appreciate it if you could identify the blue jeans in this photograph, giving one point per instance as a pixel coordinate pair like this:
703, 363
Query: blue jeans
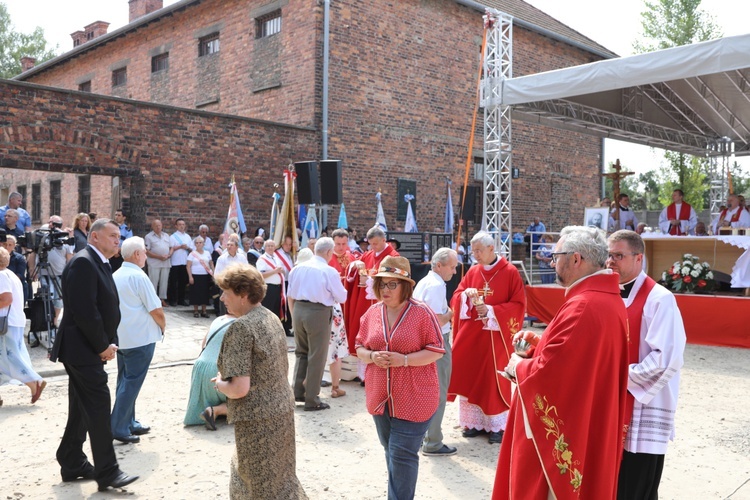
132, 367
401, 440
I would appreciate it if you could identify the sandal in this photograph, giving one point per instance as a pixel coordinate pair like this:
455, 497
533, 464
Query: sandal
196, 315
40, 385
336, 392
204, 315
209, 418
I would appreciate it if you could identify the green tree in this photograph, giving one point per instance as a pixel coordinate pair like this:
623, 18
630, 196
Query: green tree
14, 45
672, 23
685, 172
740, 180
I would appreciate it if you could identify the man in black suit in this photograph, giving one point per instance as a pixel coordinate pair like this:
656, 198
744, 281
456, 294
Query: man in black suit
86, 339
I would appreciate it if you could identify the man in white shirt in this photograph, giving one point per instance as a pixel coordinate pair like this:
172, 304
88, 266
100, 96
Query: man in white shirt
654, 368
231, 257
182, 245
732, 216
158, 254
432, 291
141, 325
627, 219
314, 287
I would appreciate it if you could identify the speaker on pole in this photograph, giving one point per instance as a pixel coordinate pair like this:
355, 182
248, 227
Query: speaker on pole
308, 185
330, 182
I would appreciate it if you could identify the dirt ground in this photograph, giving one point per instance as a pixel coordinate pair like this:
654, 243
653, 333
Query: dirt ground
338, 454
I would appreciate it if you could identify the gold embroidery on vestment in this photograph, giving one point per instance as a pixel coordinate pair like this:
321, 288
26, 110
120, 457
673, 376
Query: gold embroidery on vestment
548, 415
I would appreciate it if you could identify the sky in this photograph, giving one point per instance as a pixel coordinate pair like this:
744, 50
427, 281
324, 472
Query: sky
613, 24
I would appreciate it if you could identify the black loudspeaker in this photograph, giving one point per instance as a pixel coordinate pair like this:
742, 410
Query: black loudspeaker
308, 186
330, 182
467, 211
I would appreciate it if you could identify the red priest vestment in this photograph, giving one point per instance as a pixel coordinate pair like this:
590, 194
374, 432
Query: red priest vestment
479, 352
357, 302
573, 393
341, 262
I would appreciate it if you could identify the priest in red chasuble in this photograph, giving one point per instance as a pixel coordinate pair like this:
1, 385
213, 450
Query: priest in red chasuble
678, 218
566, 423
492, 289
342, 256
359, 294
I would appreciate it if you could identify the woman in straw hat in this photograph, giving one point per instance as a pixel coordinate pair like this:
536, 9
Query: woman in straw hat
400, 340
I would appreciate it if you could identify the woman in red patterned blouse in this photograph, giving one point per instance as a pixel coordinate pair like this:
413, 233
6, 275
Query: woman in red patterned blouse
400, 339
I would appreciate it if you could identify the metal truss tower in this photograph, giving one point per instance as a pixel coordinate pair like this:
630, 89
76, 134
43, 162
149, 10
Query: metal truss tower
498, 66
718, 168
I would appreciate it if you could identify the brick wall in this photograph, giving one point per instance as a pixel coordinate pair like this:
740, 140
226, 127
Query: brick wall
403, 79
402, 90
169, 162
225, 82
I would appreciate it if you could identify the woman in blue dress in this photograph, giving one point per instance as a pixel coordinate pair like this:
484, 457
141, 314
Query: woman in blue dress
206, 403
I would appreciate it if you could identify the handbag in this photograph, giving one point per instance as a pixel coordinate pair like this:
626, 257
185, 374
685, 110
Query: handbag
4, 322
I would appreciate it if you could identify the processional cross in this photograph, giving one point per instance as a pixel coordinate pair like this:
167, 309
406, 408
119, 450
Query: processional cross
616, 176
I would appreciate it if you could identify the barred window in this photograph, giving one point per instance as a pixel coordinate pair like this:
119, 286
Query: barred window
36, 202
120, 77
208, 45
268, 25
84, 193
160, 62
55, 197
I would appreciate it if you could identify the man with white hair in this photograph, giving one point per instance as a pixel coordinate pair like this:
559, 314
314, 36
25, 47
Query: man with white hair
142, 324
158, 255
732, 216
203, 232
432, 291
565, 427
357, 276
314, 287
489, 304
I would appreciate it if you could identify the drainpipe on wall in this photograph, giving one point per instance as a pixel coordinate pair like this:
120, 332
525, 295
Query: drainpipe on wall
326, 48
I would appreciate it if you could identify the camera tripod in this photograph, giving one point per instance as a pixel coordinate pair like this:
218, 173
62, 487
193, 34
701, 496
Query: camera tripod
41, 306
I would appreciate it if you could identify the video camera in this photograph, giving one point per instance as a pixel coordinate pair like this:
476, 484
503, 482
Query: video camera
42, 241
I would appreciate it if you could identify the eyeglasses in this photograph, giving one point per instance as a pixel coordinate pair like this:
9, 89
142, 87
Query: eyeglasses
619, 256
555, 254
391, 285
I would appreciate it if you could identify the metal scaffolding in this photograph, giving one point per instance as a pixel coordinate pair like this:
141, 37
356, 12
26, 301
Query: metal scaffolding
498, 66
721, 154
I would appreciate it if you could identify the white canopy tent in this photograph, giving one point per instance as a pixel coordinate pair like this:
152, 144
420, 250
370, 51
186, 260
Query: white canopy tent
693, 99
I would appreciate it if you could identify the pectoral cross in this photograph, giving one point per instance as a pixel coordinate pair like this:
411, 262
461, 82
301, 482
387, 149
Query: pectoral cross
485, 291
616, 176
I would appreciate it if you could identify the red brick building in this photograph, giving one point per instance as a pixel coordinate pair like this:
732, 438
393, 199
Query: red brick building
401, 93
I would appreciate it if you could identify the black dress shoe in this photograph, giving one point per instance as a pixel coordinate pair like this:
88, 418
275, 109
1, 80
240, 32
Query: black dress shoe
128, 439
471, 433
318, 407
120, 481
325, 383
85, 472
140, 431
300, 399
496, 437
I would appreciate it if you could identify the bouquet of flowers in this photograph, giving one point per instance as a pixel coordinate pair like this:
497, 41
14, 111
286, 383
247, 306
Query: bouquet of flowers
689, 276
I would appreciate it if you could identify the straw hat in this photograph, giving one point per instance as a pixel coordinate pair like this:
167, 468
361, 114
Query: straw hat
395, 267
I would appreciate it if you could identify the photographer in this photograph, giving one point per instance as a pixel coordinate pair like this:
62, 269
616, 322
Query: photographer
54, 248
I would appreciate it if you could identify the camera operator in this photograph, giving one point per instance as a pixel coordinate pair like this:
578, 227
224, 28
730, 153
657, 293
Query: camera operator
58, 253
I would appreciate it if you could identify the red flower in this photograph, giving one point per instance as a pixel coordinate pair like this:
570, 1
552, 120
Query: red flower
701, 283
676, 277
687, 279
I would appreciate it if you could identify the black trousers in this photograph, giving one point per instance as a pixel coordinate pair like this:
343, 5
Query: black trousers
178, 280
89, 406
640, 475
